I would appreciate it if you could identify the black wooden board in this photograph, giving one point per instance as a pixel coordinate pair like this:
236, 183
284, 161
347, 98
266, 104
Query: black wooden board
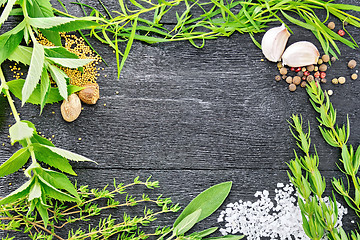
192, 118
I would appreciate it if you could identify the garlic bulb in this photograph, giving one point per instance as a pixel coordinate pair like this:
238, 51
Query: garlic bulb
274, 42
300, 54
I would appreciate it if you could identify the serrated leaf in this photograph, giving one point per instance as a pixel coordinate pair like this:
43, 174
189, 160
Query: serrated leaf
44, 89
15, 162
48, 22
208, 201
43, 213
20, 131
8, 44
60, 78
71, 63
52, 36
19, 193
59, 52
35, 191
55, 193
21, 54
5, 14
39, 8
45, 155
15, 87
34, 73
187, 223
69, 155
76, 25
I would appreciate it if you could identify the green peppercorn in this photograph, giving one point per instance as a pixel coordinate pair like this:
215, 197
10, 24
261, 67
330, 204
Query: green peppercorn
335, 81
320, 61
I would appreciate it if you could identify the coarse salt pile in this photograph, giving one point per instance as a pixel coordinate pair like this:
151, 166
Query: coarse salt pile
275, 219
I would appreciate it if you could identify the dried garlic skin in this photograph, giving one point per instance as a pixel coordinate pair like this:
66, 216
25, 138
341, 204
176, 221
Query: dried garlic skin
274, 42
300, 54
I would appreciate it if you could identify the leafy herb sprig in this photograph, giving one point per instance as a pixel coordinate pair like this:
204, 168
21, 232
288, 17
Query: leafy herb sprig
216, 18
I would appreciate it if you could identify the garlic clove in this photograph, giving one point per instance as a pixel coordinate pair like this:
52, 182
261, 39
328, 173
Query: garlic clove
273, 43
300, 54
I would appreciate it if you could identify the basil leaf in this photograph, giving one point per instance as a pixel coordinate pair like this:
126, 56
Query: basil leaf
54, 96
17, 194
60, 78
5, 14
44, 89
35, 70
21, 54
187, 223
71, 63
20, 131
208, 201
69, 155
55, 193
15, 162
59, 52
8, 44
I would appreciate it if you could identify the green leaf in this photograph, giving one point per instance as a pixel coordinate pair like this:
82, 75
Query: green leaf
54, 96
52, 36
69, 155
59, 52
43, 213
19, 193
35, 191
75, 25
208, 201
45, 155
227, 237
71, 63
39, 8
128, 47
48, 22
205, 232
187, 223
35, 70
21, 54
55, 193
6, 12
15, 162
8, 44
44, 88
20, 131
60, 78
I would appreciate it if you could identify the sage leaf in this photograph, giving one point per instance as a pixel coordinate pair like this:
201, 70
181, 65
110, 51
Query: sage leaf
35, 191
208, 201
20, 131
45, 155
69, 155
21, 54
54, 96
8, 44
35, 70
44, 89
19, 193
70, 63
5, 14
15, 162
187, 223
55, 193
60, 78
59, 52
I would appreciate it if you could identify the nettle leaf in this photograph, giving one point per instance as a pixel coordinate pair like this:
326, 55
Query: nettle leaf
15, 162
5, 14
69, 155
60, 78
35, 70
19, 193
44, 88
21, 54
8, 44
20, 131
59, 181
54, 96
59, 52
71, 63
45, 155
208, 201
55, 193
35, 191
187, 223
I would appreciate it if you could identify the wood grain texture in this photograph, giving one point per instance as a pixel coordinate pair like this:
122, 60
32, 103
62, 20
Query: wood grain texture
191, 118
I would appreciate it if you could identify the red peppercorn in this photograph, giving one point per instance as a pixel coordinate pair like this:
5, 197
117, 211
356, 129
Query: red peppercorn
341, 32
292, 69
303, 78
298, 69
322, 75
317, 74
306, 73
